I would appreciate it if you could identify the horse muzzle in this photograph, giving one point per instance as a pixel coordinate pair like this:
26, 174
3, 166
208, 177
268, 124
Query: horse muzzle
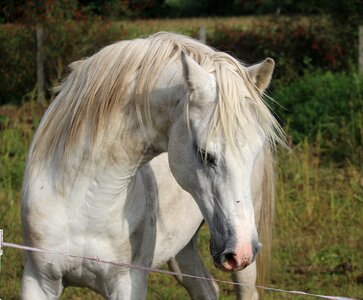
236, 258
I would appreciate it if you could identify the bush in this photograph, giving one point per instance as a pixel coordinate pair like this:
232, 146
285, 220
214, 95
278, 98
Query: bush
294, 44
326, 108
18, 65
75, 40
64, 43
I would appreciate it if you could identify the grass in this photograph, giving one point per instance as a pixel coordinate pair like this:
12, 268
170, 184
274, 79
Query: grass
318, 235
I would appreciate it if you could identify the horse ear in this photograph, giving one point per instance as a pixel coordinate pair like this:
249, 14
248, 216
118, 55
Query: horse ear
196, 78
261, 73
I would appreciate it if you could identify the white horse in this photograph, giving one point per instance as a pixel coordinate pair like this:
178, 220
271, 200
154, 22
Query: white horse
83, 194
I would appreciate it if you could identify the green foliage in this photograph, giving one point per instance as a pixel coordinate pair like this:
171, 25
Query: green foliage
294, 43
18, 66
11, 10
30, 12
327, 108
64, 43
190, 8
72, 41
345, 12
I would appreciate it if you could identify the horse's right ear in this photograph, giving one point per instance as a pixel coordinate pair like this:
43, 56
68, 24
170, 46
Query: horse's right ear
196, 78
261, 73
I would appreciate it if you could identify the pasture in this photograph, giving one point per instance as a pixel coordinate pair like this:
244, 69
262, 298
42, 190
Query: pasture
317, 238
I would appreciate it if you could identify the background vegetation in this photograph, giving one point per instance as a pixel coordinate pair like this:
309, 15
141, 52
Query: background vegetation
296, 43
318, 236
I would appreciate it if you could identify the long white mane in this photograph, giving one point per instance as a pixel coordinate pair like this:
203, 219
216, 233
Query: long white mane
119, 79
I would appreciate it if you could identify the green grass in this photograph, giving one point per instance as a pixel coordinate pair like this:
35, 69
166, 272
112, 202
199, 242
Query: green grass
317, 244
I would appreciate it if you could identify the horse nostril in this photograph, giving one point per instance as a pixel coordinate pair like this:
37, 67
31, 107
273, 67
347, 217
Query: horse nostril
229, 261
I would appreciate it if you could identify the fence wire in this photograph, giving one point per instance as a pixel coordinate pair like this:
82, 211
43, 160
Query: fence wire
161, 271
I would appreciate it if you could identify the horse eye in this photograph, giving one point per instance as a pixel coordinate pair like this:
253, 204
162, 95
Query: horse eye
206, 157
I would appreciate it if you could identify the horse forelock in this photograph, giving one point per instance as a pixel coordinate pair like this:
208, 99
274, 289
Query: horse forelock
119, 79
240, 103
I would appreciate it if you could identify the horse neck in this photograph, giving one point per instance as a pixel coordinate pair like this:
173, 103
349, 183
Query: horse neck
128, 148
146, 139
117, 161
142, 142
117, 150
138, 143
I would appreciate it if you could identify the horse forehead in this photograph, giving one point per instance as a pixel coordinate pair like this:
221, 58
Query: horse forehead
251, 138
248, 144
247, 141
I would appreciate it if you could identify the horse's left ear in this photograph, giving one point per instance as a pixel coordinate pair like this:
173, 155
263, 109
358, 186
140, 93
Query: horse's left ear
261, 73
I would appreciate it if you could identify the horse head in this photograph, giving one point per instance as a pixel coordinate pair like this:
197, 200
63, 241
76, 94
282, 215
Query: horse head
220, 143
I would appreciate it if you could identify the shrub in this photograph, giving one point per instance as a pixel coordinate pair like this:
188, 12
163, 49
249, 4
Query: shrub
75, 40
326, 108
64, 43
18, 66
294, 44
